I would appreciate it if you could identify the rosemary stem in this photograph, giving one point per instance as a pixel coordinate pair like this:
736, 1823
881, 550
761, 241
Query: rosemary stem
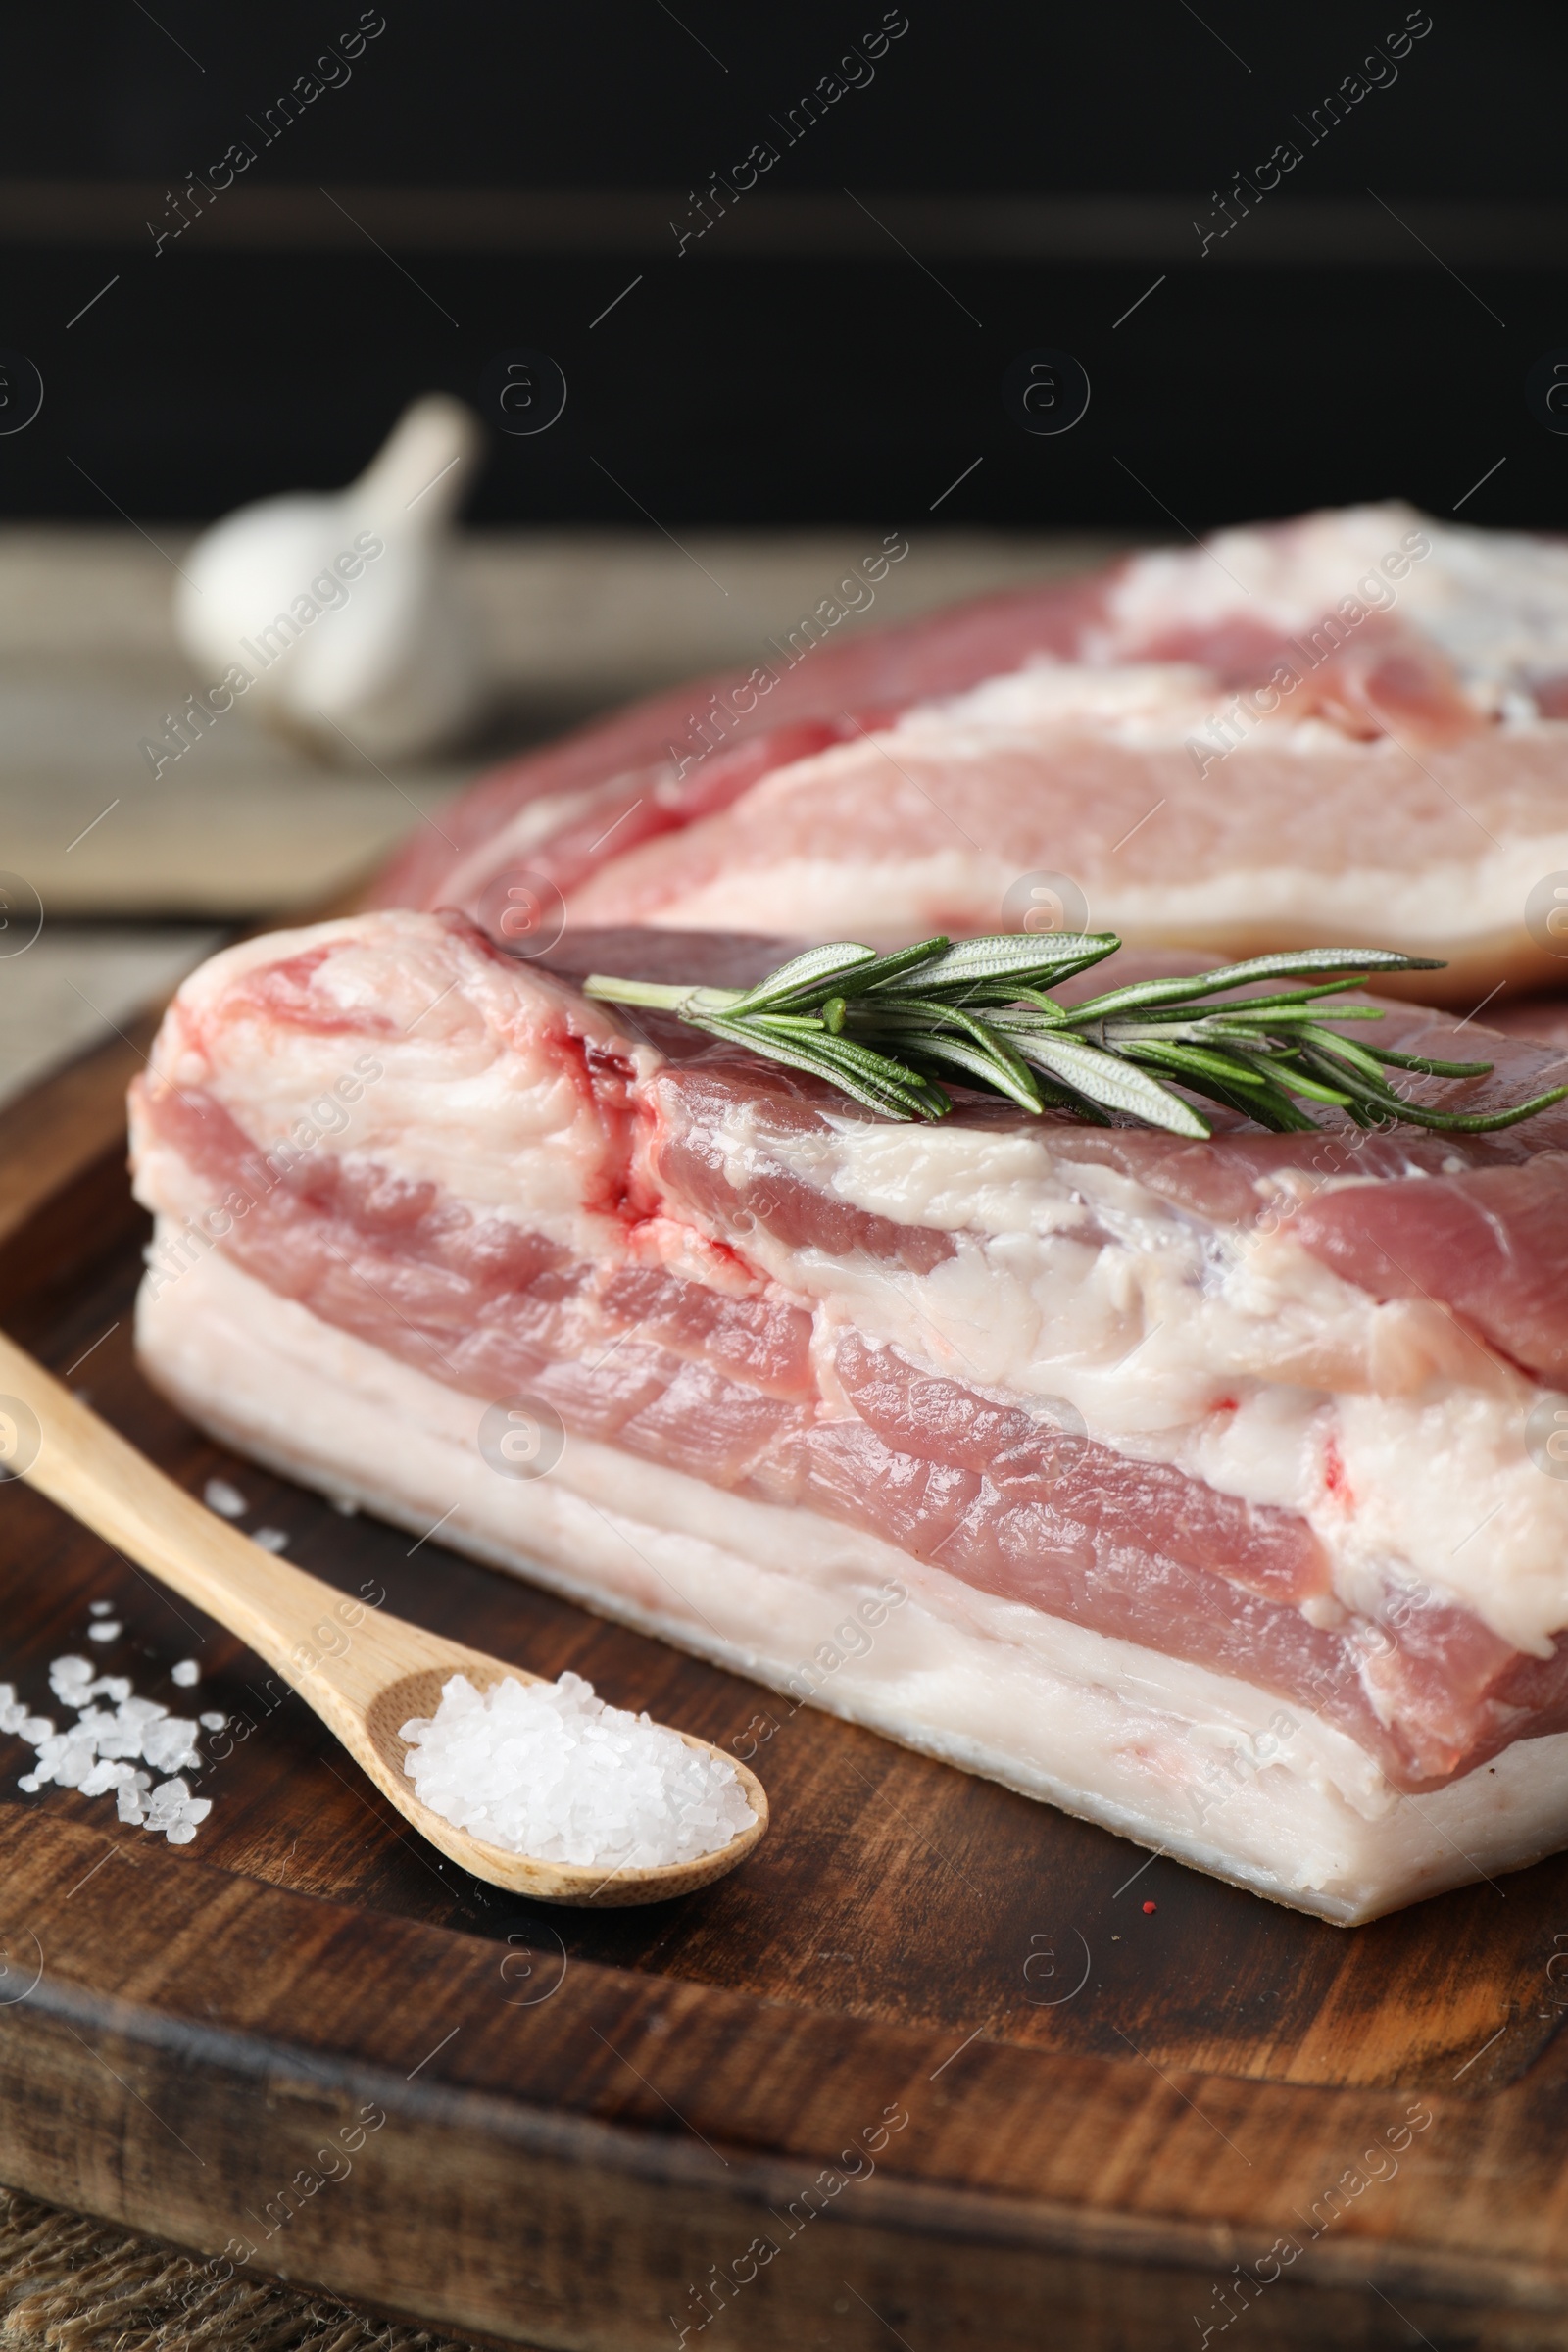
660, 996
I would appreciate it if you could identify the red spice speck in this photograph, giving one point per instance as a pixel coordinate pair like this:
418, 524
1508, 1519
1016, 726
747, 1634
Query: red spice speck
1147, 1907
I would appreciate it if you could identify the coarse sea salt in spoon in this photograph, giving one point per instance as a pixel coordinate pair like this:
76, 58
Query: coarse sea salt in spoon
548, 1769
369, 1675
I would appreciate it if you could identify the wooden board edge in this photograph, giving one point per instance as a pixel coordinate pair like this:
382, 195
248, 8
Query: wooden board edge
177, 2105
570, 2231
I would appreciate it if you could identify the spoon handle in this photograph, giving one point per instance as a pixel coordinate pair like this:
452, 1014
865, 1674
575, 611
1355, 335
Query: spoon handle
337, 1652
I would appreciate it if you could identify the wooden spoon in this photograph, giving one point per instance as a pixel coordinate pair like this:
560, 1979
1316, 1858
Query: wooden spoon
364, 1671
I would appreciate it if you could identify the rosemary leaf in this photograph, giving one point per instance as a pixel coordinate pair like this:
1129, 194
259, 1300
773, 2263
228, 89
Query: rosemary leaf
1256, 1095
1140, 992
1290, 1074
995, 1068
880, 1084
1113, 1084
1453, 1122
801, 977
1339, 1073
1427, 1066
914, 1016
991, 971
1342, 1050
1229, 1068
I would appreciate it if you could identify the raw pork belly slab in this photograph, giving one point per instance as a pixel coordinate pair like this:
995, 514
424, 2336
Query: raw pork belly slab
1348, 729
1202, 1489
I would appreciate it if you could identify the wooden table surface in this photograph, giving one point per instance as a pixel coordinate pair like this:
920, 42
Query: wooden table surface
245, 823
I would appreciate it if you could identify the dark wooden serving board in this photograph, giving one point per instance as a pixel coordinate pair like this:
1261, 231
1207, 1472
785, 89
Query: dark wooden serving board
1029, 2108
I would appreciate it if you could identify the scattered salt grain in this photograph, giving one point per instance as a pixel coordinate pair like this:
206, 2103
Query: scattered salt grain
173, 1809
271, 1539
213, 1722
105, 1629
101, 1750
73, 1682
100, 1608
185, 1673
547, 1769
128, 1797
13, 1715
169, 1745
226, 1500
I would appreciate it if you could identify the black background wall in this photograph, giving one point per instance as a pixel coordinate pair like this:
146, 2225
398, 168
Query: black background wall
472, 181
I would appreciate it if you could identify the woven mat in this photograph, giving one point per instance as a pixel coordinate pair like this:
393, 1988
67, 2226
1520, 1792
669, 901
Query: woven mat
70, 2284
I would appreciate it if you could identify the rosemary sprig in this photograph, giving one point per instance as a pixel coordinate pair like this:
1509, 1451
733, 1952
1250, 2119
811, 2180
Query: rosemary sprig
885, 1029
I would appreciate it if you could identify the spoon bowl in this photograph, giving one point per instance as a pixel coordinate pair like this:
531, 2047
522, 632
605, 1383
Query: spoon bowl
587, 1884
363, 1671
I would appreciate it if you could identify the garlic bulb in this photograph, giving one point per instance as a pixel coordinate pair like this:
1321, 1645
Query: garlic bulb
340, 610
